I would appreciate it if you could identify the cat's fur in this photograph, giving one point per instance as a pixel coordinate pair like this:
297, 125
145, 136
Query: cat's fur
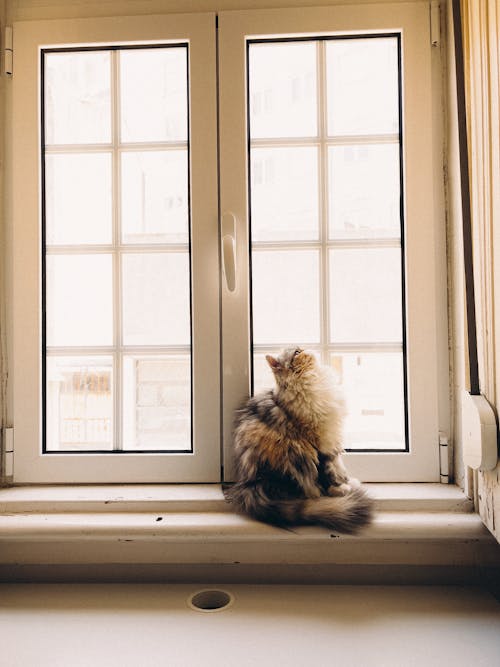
288, 445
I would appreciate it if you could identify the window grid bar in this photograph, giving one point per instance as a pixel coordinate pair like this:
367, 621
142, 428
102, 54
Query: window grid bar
358, 347
60, 350
334, 243
117, 298
124, 147
122, 248
323, 137
323, 203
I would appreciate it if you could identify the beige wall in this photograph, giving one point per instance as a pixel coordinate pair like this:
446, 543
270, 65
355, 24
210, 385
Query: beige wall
483, 121
25, 10
3, 341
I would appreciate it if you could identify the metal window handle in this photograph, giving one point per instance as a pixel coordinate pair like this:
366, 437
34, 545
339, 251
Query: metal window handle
228, 231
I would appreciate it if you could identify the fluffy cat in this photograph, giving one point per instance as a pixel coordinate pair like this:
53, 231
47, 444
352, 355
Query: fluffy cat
288, 446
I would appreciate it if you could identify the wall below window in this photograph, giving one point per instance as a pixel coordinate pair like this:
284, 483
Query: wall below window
149, 625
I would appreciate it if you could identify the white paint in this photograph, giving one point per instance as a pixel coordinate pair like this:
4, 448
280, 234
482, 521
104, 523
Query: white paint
152, 626
479, 432
204, 498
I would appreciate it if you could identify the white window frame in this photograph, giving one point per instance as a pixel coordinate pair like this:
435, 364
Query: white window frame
424, 265
30, 465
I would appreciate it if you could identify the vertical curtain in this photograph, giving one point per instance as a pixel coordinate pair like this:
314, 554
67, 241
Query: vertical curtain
481, 40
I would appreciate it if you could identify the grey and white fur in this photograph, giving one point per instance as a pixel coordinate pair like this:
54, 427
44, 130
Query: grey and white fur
288, 447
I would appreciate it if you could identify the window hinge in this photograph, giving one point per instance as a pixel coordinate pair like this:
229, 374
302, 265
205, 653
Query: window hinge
435, 19
7, 468
444, 463
8, 51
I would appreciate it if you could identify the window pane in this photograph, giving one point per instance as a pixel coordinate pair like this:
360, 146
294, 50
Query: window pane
78, 198
362, 86
365, 295
285, 193
79, 403
285, 297
77, 97
372, 384
79, 300
154, 196
153, 87
283, 90
136, 302
157, 402
156, 299
364, 191
262, 375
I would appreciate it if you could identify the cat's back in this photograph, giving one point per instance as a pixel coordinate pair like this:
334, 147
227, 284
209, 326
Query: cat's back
261, 408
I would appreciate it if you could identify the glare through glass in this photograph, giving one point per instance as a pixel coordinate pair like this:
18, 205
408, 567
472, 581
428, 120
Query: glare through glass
326, 220
117, 306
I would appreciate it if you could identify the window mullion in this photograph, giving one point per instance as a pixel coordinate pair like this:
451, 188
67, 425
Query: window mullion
323, 198
117, 301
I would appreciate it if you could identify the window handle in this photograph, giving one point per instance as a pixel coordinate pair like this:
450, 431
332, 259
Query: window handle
228, 231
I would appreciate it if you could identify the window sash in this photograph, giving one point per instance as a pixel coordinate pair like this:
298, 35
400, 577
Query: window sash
30, 465
423, 266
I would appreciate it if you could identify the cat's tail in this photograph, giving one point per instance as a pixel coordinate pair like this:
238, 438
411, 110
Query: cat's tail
343, 514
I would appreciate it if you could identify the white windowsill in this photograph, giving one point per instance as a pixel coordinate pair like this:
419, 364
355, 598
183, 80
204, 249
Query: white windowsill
203, 498
191, 526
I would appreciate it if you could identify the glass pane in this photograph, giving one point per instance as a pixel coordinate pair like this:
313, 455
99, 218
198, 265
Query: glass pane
362, 86
79, 300
285, 192
365, 295
78, 198
79, 403
154, 197
372, 384
262, 375
153, 90
285, 297
283, 90
157, 402
364, 191
77, 97
156, 299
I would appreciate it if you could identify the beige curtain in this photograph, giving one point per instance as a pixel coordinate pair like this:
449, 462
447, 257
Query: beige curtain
481, 39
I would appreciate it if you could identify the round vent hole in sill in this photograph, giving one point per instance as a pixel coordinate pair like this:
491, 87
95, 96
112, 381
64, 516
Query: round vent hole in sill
210, 600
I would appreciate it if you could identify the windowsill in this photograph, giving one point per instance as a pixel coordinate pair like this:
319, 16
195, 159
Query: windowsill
203, 498
172, 526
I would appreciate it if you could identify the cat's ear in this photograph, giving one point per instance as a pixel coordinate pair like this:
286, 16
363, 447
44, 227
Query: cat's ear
274, 363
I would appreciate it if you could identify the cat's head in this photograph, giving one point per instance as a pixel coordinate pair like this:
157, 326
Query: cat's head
292, 364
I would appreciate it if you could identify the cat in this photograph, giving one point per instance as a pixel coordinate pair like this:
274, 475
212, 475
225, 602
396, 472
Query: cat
288, 446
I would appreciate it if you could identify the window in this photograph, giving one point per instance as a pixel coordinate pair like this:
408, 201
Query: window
320, 168
116, 339
326, 182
